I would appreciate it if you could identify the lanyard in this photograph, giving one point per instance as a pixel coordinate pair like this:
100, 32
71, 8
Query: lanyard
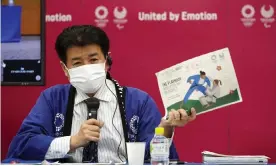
120, 93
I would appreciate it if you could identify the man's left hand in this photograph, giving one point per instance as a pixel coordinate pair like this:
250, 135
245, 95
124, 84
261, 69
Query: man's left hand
177, 118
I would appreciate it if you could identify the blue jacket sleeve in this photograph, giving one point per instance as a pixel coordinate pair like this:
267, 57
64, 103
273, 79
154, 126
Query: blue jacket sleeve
192, 78
35, 134
208, 81
150, 118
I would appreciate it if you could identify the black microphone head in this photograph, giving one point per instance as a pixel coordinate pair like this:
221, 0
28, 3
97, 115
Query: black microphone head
92, 103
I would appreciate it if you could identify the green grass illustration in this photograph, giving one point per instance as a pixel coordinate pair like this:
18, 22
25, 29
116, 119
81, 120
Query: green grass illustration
230, 98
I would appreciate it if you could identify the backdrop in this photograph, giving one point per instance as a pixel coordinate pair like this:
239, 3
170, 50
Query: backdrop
149, 35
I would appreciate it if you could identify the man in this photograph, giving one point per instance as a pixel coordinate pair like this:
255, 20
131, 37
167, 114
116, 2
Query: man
57, 126
197, 83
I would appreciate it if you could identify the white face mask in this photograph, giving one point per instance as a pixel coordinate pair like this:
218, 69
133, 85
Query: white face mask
88, 78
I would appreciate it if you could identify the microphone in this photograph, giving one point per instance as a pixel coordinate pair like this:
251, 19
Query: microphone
90, 151
92, 106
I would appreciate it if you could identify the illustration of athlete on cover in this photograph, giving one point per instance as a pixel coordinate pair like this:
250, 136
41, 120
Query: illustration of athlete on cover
197, 83
211, 94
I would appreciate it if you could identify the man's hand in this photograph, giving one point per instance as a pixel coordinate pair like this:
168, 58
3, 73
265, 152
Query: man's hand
89, 131
177, 118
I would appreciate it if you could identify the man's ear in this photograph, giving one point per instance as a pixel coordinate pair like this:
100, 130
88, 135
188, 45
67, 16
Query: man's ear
107, 67
64, 69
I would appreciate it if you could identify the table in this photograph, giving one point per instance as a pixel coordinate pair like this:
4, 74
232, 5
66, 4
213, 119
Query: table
10, 23
33, 162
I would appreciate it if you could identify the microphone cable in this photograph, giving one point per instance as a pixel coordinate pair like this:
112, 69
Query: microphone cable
118, 153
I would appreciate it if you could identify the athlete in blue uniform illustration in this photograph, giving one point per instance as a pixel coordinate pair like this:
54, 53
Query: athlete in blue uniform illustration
197, 82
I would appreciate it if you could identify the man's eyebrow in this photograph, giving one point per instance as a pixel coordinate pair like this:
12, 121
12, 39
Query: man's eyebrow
89, 55
93, 54
76, 58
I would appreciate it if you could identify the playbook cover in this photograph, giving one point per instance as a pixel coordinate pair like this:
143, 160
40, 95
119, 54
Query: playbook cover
206, 82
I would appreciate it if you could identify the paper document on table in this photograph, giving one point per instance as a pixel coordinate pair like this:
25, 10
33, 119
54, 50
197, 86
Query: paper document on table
215, 158
206, 83
212, 154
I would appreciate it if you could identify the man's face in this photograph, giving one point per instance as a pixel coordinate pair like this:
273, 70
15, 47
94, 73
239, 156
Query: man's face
203, 76
78, 56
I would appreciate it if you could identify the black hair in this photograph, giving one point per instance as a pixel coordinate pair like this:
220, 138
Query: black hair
202, 73
80, 35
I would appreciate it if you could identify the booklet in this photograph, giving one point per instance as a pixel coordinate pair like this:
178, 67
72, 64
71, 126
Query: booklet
215, 158
213, 154
206, 83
